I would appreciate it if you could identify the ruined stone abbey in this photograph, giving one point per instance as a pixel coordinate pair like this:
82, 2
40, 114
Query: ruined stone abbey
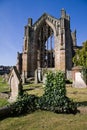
49, 43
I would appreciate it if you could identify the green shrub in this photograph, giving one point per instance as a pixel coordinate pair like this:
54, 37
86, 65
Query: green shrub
24, 104
54, 98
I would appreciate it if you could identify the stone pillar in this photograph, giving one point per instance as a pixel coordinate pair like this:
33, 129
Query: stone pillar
19, 62
63, 13
30, 22
60, 61
24, 76
25, 65
36, 78
38, 59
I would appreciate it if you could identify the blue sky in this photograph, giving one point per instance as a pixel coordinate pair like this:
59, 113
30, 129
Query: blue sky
14, 15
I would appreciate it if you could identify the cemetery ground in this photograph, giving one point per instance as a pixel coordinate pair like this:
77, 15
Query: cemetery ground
45, 120
4, 88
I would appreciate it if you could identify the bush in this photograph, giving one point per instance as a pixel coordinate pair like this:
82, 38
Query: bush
24, 104
54, 98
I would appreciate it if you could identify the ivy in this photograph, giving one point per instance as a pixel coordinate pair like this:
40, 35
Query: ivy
24, 104
54, 98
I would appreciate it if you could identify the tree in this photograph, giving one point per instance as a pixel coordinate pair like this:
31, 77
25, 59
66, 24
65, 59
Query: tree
80, 59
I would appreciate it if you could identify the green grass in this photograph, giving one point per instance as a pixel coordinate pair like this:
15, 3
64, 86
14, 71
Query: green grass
78, 95
36, 89
3, 88
3, 85
3, 102
45, 120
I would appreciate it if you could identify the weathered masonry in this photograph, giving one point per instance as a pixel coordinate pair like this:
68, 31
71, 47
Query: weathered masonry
48, 43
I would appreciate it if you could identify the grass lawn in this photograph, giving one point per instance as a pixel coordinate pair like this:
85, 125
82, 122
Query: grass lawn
45, 120
3, 102
3, 88
78, 95
3, 85
36, 89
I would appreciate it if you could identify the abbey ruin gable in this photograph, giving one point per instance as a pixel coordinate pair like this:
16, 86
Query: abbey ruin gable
48, 43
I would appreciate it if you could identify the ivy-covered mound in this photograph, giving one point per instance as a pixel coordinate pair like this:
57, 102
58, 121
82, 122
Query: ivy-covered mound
54, 98
25, 104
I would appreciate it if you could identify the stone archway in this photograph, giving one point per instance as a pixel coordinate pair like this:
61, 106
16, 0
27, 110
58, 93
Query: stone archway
44, 28
45, 46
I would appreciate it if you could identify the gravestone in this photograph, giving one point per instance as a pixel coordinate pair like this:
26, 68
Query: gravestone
36, 79
15, 84
38, 75
78, 81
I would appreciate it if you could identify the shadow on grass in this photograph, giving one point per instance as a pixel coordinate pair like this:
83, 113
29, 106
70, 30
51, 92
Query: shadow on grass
84, 103
14, 116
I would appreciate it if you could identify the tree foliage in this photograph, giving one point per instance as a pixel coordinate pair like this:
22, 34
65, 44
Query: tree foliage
81, 59
81, 56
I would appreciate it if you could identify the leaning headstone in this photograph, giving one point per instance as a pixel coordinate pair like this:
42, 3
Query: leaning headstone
78, 81
15, 84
